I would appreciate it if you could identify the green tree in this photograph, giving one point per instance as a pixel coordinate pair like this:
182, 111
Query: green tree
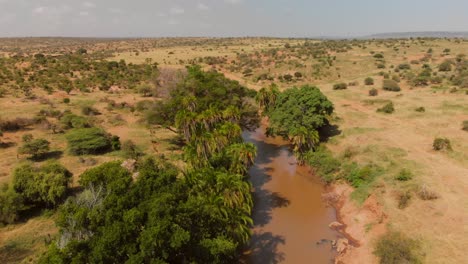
36, 148
298, 114
45, 185
84, 141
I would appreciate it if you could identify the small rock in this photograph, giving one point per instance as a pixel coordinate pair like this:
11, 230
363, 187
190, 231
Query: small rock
342, 245
129, 165
335, 225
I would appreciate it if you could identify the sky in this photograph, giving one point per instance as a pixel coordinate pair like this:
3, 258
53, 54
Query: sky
228, 18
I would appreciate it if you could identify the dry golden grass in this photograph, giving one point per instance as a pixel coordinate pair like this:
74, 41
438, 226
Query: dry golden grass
400, 140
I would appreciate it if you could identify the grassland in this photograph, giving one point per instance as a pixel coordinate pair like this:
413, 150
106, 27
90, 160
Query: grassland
402, 140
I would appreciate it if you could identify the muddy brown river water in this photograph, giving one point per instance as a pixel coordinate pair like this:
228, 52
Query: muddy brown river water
290, 218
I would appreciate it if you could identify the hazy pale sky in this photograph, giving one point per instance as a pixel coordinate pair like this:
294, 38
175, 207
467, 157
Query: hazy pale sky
279, 18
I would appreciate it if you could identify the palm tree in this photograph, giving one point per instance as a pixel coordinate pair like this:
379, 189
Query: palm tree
242, 156
303, 139
186, 122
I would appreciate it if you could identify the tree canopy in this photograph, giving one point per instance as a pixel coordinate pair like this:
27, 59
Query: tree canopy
298, 114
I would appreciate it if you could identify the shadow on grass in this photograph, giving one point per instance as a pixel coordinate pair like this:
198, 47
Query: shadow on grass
328, 132
50, 155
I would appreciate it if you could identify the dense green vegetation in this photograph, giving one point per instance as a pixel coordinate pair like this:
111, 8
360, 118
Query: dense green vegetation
71, 71
33, 187
298, 114
160, 213
93, 140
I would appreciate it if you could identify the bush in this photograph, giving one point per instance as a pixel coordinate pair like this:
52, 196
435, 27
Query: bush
11, 203
404, 175
373, 92
388, 108
465, 125
35, 147
420, 109
358, 176
46, 185
404, 66
340, 86
395, 247
369, 81
84, 141
379, 56
130, 150
441, 144
403, 200
323, 163
445, 66
391, 85
66, 100
89, 110
70, 120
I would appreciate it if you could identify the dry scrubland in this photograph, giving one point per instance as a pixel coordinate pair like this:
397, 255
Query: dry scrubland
393, 142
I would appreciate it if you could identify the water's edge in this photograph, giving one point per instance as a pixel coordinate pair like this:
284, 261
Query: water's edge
291, 220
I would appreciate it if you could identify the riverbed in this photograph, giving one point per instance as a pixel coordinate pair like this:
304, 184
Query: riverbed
290, 218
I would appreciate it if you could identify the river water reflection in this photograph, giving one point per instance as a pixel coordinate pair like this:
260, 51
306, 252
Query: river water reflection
290, 218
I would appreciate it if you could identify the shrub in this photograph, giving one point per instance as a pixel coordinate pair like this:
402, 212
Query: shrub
388, 108
84, 141
379, 56
145, 90
395, 247
445, 66
396, 78
369, 81
465, 125
35, 147
404, 66
373, 92
70, 120
130, 150
66, 100
425, 194
391, 85
11, 203
403, 200
404, 175
420, 109
323, 163
89, 110
46, 185
340, 86
441, 144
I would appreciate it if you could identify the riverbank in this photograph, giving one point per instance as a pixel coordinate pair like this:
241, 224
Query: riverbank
359, 225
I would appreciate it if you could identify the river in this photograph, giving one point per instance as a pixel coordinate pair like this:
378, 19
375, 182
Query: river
290, 218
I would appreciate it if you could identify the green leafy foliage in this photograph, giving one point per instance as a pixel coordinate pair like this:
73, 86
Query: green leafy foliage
404, 175
11, 203
69, 120
35, 147
202, 218
324, 164
45, 185
93, 140
298, 114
